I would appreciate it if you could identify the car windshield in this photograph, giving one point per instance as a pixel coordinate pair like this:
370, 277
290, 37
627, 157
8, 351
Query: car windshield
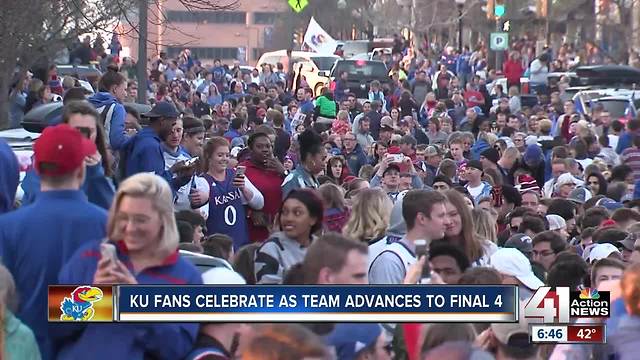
361, 68
324, 63
616, 108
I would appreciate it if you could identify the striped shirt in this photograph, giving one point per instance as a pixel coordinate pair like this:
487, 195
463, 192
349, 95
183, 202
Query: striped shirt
631, 156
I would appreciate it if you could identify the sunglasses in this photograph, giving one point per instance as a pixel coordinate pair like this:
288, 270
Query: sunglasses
388, 348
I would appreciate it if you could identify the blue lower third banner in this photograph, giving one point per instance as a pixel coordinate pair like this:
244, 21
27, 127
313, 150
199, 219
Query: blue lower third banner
371, 303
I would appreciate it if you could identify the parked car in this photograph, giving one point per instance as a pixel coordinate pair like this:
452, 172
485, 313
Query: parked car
621, 103
622, 106
612, 76
205, 262
595, 77
361, 74
21, 142
42, 116
312, 65
81, 72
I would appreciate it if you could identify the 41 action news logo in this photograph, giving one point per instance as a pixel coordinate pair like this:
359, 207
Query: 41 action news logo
562, 304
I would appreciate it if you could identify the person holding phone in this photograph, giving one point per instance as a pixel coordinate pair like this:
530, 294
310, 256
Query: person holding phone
141, 247
388, 174
97, 183
265, 171
144, 152
229, 192
195, 193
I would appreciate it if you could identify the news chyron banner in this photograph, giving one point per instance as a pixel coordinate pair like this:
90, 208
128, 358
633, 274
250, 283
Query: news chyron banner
282, 303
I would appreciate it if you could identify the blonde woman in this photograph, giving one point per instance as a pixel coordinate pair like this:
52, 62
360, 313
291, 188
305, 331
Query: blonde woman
370, 213
484, 224
141, 248
16, 339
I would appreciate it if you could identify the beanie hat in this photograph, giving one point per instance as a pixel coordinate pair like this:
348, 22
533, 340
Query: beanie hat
491, 154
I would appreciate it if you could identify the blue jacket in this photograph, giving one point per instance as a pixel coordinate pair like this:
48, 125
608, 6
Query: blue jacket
625, 141
356, 159
37, 240
306, 107
126, 341
114, 126
339, 92
232, 134
98, 188
485, 193
9, 177
462, 64
144, 154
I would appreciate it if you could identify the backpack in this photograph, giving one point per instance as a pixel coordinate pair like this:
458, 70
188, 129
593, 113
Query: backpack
106, 116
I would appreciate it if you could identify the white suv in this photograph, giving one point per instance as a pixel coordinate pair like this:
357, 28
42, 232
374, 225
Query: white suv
312, 64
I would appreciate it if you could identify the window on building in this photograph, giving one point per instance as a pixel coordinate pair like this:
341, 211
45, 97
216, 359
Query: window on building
214, 17
265, 18
205, 52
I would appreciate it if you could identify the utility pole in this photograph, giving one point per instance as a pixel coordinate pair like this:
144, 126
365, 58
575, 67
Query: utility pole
547, 5
141, 66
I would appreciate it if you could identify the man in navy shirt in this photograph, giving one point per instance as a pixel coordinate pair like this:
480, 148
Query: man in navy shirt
38, 239
144, 152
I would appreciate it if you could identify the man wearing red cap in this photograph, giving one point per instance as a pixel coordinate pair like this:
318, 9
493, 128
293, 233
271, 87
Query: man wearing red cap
36, 240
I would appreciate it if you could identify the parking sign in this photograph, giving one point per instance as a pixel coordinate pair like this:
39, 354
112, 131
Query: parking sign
499, 41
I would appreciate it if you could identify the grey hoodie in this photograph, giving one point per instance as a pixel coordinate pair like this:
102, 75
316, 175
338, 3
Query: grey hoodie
277, 255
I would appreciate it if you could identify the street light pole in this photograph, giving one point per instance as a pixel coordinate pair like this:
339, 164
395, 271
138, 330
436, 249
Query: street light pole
141, 66
460, 4
460, 28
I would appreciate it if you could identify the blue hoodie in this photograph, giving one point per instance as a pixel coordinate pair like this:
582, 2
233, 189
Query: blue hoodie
98, 188
144, 153
37, 240
126, 341
9, 177
115, 127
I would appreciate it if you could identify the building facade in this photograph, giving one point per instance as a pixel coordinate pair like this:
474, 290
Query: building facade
238, 34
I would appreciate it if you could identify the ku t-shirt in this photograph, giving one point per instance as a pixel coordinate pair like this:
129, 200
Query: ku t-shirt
226, 212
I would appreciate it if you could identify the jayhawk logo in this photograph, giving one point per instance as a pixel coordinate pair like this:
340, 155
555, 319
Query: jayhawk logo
79, 307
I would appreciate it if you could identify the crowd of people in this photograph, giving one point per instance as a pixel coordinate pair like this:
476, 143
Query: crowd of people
285, 186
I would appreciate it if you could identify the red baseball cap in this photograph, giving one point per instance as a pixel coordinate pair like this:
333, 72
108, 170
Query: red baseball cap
61, 149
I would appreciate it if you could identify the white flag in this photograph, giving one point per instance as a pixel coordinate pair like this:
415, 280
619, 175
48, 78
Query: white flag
319, 40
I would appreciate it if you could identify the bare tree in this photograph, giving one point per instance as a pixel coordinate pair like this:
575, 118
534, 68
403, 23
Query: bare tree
36, 30
420, 17
150, 11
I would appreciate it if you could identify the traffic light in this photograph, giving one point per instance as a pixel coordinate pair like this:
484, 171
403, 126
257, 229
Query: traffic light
499, 8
